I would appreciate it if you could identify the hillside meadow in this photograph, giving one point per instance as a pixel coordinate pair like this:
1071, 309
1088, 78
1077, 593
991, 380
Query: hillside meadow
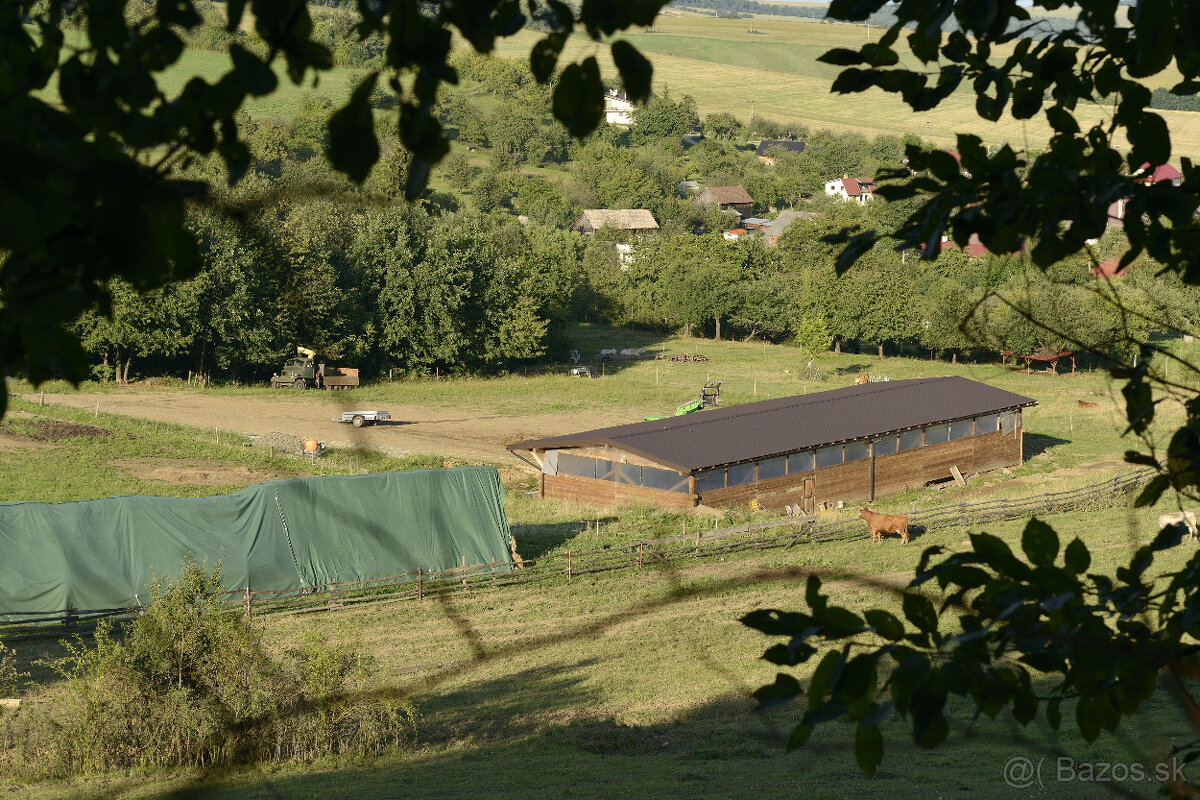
770, 62
631, 683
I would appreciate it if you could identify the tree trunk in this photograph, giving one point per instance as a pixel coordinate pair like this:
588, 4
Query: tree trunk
125, 374
117, 364
687, 330
718, 319
104, 374
881, 351
837, 346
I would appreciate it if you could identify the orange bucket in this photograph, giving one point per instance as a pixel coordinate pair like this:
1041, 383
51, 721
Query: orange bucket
311, 446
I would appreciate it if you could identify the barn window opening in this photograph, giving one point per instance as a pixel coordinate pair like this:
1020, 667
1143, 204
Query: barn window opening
800, 462
772, 468
1007, 422
664, 479
710, 480
936, 434
986, 424
910, 440
627, 473
575, 465
962, 428
828, 456
857, 451
885, 445
740, 473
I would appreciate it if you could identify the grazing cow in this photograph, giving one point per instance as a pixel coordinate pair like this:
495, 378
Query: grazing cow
1176, 518
885, 523
1087, 404
859, 380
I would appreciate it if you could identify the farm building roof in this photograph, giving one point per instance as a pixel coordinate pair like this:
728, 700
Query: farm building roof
773, 427
625, 219
782, 144
725, 195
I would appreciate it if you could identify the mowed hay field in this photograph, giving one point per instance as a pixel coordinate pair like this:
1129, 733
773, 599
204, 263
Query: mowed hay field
727, 64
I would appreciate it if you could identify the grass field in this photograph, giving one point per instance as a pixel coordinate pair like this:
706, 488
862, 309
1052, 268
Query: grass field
635, 683
726, 68
638, 685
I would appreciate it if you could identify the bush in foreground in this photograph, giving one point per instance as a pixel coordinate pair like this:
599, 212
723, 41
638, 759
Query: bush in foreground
190, 684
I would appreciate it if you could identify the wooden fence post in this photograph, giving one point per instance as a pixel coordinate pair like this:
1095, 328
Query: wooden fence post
493, 572
464, 574
568, 566
247, 600
640, 545
419, 586
333, 596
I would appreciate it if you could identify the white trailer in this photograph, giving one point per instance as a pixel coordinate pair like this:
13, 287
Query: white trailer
360, 418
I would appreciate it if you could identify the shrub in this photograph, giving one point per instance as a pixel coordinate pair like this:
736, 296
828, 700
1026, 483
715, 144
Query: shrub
188, 683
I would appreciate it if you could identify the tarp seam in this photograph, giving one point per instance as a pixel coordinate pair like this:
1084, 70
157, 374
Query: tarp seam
288, 536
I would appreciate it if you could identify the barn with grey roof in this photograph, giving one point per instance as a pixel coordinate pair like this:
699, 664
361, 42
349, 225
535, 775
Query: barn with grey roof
851, 444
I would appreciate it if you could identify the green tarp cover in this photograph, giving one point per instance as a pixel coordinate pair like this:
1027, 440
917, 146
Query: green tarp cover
280, 535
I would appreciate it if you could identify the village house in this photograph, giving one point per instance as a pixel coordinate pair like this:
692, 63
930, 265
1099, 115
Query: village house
766, 146
860, 190
618, 110
631, 220
727, 198
1146, 176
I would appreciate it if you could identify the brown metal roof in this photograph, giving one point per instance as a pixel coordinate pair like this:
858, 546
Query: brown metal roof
727, 195
772, 427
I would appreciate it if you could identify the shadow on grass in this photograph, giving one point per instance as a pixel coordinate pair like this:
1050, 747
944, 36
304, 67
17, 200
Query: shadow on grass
1038, 443
850, 369
536, 540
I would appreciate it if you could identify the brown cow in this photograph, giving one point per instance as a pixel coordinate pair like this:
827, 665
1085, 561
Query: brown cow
885, 523
859, 380
1086, 404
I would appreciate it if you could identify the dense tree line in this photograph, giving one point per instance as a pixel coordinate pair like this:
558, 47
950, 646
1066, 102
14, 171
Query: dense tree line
483, 274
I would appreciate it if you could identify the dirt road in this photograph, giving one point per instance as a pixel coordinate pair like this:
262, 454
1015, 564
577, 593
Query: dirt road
413, 429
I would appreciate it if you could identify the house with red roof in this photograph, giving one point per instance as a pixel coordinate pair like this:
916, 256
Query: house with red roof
860, 190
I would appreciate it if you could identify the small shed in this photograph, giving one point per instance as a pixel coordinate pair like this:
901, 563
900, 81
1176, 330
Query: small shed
634, 220
851, 444
727, 198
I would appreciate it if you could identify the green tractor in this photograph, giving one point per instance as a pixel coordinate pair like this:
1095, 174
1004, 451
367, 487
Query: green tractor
710, 395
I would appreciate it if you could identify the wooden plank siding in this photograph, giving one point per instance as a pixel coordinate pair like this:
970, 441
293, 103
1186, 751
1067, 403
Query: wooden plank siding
894, 473
595, 492
856, 481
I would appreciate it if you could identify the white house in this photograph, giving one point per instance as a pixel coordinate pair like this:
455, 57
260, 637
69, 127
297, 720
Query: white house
859, 190
617, 108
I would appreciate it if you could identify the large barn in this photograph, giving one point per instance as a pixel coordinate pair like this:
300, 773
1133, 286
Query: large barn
809, 451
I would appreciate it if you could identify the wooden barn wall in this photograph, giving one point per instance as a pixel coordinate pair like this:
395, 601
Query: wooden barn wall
595, 492
894, 473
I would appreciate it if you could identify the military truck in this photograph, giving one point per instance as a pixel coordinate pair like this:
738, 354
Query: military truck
304, 372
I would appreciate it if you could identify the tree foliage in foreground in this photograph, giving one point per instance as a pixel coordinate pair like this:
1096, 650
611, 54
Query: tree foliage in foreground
93, 185
1001, 623
1027, 635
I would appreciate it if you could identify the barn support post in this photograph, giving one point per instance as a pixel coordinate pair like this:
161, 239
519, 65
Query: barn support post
871, 446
